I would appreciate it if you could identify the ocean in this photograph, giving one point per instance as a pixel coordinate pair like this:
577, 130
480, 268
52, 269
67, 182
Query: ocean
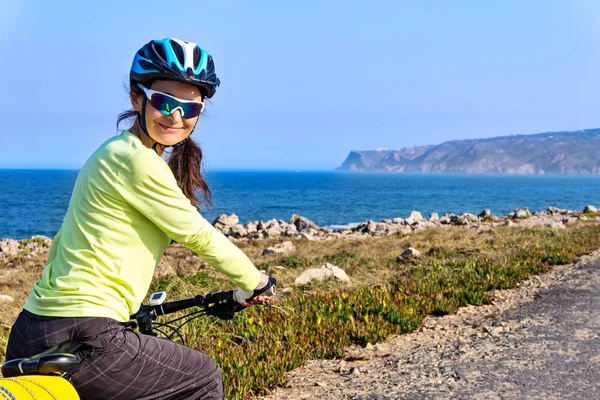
34, 202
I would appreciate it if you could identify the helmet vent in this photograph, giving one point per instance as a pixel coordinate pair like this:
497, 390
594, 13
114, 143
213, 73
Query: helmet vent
160, 50
146, 65
178, 51
210, 65
196, 57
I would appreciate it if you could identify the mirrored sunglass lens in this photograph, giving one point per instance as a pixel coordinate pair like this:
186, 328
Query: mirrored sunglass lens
167, 104
191, 110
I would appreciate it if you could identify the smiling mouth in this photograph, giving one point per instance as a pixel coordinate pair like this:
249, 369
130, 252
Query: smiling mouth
170, 128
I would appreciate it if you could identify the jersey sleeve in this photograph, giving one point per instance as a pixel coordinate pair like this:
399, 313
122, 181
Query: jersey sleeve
147, 183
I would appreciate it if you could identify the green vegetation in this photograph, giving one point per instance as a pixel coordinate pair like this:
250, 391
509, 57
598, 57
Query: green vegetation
458, 267
39, 241
320, 321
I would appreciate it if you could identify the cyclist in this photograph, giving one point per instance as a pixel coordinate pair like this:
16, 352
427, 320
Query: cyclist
126, 207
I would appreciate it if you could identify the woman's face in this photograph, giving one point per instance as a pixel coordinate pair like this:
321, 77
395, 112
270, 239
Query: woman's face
168, 129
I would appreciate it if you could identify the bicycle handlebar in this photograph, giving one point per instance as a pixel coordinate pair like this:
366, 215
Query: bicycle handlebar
220, 304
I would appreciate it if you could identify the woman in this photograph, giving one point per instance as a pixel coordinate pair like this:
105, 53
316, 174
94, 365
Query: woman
126, 207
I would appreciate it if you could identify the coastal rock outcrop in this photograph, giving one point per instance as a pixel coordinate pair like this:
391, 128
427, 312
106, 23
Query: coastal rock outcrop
300, 227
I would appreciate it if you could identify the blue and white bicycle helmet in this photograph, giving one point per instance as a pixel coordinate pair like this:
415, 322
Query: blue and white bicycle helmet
175, 59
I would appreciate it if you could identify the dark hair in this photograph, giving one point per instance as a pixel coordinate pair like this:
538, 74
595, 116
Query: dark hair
185, 160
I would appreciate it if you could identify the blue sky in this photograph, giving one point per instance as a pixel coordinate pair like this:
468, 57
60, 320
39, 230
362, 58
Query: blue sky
303, 82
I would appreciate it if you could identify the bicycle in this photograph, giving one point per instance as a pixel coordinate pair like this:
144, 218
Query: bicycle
47, 375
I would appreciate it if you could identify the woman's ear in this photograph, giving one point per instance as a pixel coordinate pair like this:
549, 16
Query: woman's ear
136, 101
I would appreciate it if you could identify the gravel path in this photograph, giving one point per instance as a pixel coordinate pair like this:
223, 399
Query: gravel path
540, 341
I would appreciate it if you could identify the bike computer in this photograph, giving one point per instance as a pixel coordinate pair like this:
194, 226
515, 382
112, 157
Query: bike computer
157, 298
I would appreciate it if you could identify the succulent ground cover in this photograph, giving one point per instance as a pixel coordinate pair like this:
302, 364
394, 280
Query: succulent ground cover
457, 267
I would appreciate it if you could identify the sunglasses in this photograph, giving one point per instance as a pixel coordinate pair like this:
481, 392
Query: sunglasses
167, 104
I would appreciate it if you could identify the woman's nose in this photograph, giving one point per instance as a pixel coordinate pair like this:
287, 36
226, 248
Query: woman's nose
176, 115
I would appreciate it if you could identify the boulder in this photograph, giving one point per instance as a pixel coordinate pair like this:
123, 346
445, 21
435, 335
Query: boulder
250, 227
238, 231
590, 209
521, 213
397, 229
487, 213
415, 216
446, 219
280, 248
380, 228
290, 230
555, 210
224, 222
367, 227
272, 232
8, 247
464, 219
309, 231
302, 222
307, 236
407, 254
434, 217
327, 271
272, 223
4, 298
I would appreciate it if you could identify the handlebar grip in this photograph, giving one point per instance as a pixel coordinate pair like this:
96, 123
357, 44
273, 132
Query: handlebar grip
268, 289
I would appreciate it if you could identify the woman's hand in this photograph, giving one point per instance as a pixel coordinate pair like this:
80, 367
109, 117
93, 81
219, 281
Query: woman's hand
263, 293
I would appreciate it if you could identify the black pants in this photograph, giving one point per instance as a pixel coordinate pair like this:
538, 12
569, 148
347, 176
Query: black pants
124, 364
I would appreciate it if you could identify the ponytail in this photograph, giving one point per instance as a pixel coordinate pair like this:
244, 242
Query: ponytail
185, 162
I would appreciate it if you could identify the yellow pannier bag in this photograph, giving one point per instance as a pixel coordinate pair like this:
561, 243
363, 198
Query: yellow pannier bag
37, 387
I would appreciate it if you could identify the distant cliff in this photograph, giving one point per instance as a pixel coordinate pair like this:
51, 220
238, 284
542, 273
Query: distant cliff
543, 153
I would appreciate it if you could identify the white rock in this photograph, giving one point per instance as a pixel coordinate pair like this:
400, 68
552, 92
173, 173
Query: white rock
411, 252
238, 231
415, 216
307, 236
4, 298
280, 248
273, 232
302, 222
319, 274
590, 209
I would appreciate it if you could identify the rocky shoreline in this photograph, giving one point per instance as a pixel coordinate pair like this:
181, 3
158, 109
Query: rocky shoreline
300, 227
